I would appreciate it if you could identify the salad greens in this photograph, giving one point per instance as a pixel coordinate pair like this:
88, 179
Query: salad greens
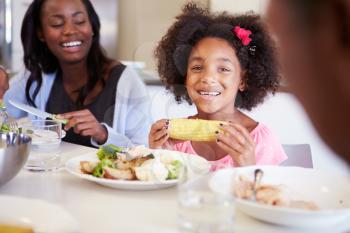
108, 156
174, 169
108, 152
98, 170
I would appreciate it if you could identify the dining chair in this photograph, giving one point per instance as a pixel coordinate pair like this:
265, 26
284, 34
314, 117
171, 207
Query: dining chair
298, 155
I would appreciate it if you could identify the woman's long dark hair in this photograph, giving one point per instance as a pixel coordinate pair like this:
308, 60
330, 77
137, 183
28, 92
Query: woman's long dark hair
38, 58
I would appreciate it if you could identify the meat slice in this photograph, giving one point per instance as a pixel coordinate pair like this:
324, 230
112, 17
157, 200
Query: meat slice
112, 173
87, 167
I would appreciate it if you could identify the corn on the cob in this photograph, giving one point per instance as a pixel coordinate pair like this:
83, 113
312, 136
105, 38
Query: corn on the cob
194, 129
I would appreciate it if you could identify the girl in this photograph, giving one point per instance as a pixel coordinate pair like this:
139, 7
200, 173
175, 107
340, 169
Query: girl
221, 63
68, 73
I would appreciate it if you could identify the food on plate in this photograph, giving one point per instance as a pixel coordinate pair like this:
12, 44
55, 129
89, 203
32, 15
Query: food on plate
136, 163
15, 229
5, 128
122, 174
152, 169
194, 129
275, 195
88, 167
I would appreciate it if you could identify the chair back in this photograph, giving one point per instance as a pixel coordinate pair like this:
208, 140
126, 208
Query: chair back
298, 155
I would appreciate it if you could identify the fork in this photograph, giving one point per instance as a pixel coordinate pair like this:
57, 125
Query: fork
258, 174
10, 121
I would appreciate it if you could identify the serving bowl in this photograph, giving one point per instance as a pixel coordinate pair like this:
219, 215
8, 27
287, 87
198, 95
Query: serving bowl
14, 152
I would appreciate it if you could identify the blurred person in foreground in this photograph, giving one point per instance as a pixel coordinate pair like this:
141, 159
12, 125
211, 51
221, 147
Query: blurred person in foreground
314, 40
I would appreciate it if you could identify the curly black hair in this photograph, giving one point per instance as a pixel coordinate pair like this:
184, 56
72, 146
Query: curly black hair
257, 60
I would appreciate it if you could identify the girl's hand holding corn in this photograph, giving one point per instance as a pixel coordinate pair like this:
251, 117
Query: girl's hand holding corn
237, 142
158, 136
233, 138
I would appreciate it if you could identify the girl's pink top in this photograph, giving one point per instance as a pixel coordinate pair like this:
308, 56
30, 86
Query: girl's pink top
268, 151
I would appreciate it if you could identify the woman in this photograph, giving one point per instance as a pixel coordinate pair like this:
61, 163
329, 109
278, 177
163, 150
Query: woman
67, 73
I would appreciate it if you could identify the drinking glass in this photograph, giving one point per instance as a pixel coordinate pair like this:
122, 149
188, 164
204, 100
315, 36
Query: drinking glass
46, 138
201, 208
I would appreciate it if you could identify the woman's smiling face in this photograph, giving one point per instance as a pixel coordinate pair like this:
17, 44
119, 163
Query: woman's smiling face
213, 76
66, 29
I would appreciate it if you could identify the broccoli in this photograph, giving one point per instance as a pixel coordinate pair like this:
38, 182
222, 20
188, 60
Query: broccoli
174, 169
108, 152
98, 170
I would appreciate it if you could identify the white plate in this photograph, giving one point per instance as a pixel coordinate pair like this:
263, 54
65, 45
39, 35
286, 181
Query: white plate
329, 192
40, 215
73, 166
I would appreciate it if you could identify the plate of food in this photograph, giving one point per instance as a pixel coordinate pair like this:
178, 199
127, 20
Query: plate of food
290, 196
19, 214
136, 168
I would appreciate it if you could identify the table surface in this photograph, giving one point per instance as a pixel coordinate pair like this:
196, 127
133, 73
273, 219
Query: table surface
101, 209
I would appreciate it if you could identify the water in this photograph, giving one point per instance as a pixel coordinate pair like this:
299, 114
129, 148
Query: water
205, 212
45, 152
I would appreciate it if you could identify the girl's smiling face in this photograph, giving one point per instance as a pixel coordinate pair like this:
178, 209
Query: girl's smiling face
66, 29
213, 77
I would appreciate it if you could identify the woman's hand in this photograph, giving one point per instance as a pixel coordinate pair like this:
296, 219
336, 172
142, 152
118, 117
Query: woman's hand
4, 83
84, 123
158, 135
237, 142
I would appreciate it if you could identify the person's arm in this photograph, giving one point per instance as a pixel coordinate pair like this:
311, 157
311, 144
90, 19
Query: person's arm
16, 92
4, 82
2, 69
131, 120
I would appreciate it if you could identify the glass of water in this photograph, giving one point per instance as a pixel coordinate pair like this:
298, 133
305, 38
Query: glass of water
46, 139
202, 209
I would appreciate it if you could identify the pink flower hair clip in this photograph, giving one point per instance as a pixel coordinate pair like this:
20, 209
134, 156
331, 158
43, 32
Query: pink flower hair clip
242, 34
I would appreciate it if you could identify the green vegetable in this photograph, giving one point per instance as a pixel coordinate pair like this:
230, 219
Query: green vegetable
98, 170
5, 128
29, 131
108, 152
174, 169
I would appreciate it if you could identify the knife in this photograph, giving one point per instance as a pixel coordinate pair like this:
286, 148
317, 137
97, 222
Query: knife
37, 112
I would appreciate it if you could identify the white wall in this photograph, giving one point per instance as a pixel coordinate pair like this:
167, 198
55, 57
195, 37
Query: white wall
164, 106
281, 113
238, 6
19, 8
142, 23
